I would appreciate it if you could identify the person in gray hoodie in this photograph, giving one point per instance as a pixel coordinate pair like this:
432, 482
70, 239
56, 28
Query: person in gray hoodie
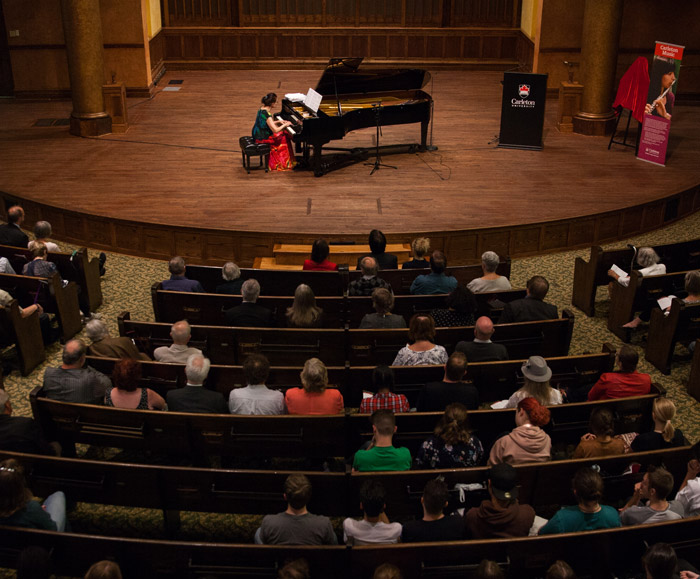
527, 442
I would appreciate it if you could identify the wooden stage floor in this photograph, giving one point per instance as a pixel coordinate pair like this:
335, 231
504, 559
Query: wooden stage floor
179, 166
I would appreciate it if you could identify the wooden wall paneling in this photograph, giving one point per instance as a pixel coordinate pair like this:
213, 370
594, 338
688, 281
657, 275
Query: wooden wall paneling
498, 241
416, 46
435, 46
211, 46
159, 242
192, 46
459, 243
525, 240
247, 47
555, 236
472, 46
174, 45
653, 215
98, 230
582, 232
191, 246
75, 227
608, 227
397, 46
360, 44
304, 45
491, 47
452, 46
127, 237
631, 221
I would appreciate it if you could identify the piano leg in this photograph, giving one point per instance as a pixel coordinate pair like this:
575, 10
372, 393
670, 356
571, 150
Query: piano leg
424, 134
316, 162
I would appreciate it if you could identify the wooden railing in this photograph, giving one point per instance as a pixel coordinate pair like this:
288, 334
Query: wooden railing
344, 13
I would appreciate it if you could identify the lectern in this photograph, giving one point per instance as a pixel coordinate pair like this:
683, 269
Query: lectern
522, 110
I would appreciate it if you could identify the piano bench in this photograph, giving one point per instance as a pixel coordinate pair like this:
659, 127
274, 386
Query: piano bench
250, 148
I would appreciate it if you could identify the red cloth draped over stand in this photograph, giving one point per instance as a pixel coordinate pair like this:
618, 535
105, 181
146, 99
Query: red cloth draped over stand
633, 89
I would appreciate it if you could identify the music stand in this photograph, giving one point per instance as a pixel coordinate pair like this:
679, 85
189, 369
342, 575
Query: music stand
378, 159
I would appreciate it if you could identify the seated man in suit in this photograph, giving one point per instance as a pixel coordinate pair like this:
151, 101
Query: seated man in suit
105, 346
482, 349
435, 282
377, 244
436, 395
178, 282
194, 397
10, 233
532, 307
249, 314
179, 351
369, 280
231, 274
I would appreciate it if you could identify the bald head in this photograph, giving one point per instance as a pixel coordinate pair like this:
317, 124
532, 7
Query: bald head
368, 265
483, 330
15, 214
73, 354
180, 332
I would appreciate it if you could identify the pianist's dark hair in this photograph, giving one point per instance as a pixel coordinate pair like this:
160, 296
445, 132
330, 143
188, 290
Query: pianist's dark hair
377, 241
269, 98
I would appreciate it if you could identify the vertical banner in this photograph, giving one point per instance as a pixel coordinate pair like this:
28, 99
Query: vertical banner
522, 110
660, 100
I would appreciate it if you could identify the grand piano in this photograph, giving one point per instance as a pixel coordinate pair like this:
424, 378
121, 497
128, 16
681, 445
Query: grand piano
357, 99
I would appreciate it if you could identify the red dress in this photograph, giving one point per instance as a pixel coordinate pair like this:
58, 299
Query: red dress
325, 265
281, 153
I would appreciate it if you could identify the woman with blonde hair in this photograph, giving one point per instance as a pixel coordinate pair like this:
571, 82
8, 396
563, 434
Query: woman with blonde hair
537, 374
451, 445
314, 397
304, 312
420, 248
664, 434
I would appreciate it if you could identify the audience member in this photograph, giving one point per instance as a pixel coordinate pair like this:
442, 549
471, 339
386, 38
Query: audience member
231, 274
482, 349
11, 232
500, 516
49, 333
42, 232
6, 266
527, 442
304, 312
688, 494
532, 307
435, 282
490, 281
383, 302
461, 306
661, 562
17, 507
314, 397
179, 351
588, 514
489, 570
663, 411
384, 399
387, 571
104, 570
374, 528
21, 433
369, 281
421, 349
249, 314
654, 488
420, 247
560, 570
126, 394
435, 525
648, 259
626, 382
256, 398
296, 525
178, 282
601, 440
104, 346
295, 569
435, 396
377, 245
451, 445
194, 397
319, 257
381, 454
34, 562
537, 374
72, 382
39, 266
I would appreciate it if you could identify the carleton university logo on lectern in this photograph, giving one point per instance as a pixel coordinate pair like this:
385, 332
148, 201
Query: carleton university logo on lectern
524, 90
522, 102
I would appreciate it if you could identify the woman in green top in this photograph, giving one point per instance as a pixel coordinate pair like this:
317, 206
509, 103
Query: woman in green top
271, 131
19, 509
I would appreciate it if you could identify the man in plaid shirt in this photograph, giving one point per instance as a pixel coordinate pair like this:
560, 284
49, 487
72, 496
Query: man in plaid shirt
384, 399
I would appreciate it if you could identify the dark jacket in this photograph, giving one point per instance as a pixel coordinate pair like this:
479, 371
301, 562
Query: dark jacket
527, 310
384, 260
196, 399
436, 395
12, 235
249, 315
481, 352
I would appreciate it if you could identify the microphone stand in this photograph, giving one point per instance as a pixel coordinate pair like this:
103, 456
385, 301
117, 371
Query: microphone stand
378, 159
431, 147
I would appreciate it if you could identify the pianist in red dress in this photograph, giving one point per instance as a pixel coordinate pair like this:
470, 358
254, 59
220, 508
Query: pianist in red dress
319, 257
269, 130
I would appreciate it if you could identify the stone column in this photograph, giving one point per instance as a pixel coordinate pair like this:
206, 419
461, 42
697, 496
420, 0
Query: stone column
82, 27
602, 21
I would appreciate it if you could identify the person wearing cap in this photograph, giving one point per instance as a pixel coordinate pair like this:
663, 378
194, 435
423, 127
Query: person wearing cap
527, 442
502, 515
537, 375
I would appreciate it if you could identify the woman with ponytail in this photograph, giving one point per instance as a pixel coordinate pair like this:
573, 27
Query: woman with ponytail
664, 435
269, 130
527, 442
451, 445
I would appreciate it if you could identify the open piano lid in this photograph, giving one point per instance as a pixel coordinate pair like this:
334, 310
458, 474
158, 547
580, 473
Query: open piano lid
349, 79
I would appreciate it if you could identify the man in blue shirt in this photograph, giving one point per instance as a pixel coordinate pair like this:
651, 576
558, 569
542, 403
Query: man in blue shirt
178, 282
436, 282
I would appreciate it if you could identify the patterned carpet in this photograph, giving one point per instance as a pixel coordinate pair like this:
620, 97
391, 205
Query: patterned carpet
126, 286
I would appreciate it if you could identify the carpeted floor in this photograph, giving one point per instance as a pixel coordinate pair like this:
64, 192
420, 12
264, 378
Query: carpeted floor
126, 286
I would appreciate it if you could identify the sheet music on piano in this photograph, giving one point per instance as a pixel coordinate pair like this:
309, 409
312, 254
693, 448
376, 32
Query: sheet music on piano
313, 100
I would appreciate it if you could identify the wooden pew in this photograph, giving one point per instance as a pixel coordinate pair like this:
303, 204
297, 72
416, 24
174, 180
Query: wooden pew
694, 378
524, 339
681, 324
208, 309
74, 266
54, 298
25, 334
625, 301
588, 275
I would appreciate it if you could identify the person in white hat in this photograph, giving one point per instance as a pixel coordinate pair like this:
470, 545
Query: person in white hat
537, 375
